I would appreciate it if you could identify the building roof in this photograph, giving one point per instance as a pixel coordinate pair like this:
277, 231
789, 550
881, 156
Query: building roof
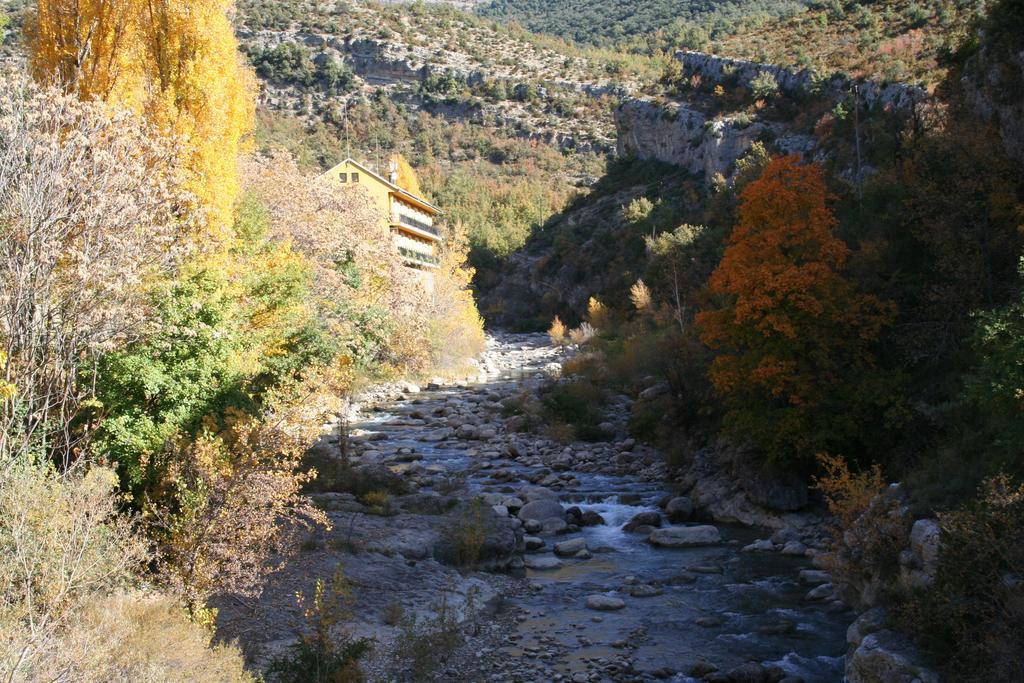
405, 194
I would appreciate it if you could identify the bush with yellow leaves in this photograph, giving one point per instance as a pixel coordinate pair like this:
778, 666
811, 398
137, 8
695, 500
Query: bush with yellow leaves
872, 526
558, 332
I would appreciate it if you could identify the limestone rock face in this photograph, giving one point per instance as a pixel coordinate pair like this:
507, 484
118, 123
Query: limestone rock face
993, 83
680, 133
677, 134
715, 69
685, 536
924, 543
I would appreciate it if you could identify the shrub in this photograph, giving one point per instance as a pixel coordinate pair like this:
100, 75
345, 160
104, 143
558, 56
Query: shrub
764, 85
324, 655
582, 334
89, 216
557, 332
456, 331
379, 502
971, 619
124, 638
464, 535
335, 77
427, 643
638, 210
62, 543
287, 62
68, 561
393, 614
525, 406
871, 528
640, 296
598, 315
234, 499
576, 405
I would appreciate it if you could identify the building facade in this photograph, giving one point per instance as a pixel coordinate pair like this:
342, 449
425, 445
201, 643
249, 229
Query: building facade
409, 217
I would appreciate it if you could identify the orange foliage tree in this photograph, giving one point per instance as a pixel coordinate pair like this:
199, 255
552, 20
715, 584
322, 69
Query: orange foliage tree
794, 336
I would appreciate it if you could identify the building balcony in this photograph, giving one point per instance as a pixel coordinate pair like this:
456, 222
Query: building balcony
416, 224
419, 258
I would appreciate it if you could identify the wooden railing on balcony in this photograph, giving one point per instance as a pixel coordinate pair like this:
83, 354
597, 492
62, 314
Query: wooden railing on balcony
411, 222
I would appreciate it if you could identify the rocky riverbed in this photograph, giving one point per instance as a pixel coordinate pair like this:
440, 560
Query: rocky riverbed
587, 567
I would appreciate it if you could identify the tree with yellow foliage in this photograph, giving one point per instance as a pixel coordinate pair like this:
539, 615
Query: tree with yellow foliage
406, 176
176, 62
456, 330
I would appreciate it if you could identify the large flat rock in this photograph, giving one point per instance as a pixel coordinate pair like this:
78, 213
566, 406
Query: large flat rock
685, 536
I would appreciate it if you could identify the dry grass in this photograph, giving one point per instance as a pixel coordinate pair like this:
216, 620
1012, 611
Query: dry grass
137, 638
68, 609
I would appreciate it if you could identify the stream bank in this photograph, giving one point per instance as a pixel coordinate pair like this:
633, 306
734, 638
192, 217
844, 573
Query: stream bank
602, 574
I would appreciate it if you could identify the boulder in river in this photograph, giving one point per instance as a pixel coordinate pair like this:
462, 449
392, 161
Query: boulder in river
541, 510
533, 543
785, 535
762, 545
679, 509
814, 577
646, 518
554, 526
604, 603
794, 548
466, 431
644, 590
886, 656
570, 547
542, 562
532, 493
685, 536
591, 518
751, 672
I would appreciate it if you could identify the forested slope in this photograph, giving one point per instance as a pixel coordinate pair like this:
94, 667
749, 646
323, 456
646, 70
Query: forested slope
605, 22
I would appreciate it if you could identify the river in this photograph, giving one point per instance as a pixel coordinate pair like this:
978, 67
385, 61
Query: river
683, 606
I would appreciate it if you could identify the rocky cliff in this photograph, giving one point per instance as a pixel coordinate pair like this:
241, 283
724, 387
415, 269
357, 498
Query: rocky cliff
674, 133
705, 135
993, 84
446, 65
720, 70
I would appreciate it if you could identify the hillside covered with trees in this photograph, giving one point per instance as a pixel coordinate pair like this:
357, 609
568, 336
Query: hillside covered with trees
606, 23
897, 41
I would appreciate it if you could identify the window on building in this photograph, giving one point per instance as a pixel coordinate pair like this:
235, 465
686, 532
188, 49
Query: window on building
355, 177
343, 177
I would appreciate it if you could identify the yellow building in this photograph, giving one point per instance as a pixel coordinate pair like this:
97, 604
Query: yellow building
410, 217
